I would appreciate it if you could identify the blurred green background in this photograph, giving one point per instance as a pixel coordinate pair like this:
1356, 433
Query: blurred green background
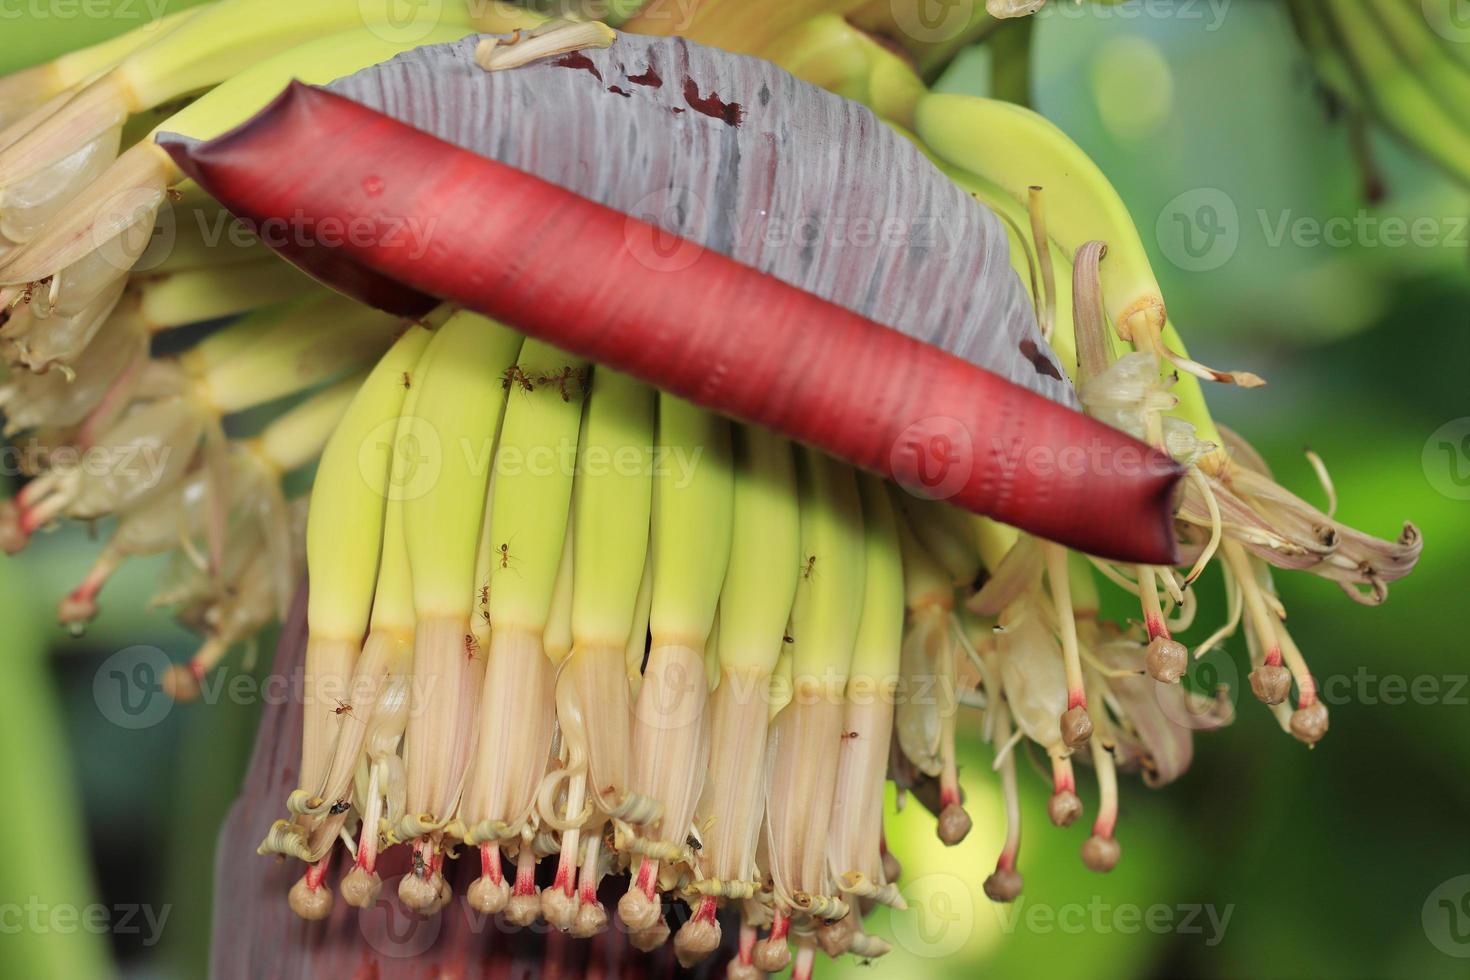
1265, 860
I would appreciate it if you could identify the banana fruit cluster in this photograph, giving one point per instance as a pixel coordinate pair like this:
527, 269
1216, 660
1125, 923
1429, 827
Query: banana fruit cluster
558, 616
1404, 65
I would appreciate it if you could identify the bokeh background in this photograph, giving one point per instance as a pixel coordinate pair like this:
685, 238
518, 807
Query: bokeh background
1267, 860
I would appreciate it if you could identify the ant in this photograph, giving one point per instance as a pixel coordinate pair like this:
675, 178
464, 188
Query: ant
848, 735
407, 381
515, 376
343, 708
567, 381
504, 550
470, 646
807, 568
788, 638
341, 806
693, 843
484, 593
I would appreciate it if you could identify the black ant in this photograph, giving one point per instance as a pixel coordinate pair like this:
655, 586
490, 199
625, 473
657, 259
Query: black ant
811, 563
341, 806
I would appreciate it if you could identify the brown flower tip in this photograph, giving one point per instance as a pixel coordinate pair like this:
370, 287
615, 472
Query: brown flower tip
954, 824
312, 904
1309, 722
420, 894
835, 938
1064, 808
489, 897
772, 955
361, 887
1167, 660
637, 911
649, 940
1003, 885
736, 970
1076, 726
181, 684
523, 910
1101, 853
77, 608
13, 537
695, 940
1271, 683
591, 920
559, 909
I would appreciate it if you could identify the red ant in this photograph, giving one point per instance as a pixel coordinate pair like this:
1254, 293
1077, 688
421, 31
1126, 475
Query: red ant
343, 708
515, 376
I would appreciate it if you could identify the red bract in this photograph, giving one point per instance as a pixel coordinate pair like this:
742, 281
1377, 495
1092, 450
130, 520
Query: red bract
560, 267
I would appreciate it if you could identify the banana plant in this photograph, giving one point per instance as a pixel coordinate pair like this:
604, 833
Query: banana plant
575, 598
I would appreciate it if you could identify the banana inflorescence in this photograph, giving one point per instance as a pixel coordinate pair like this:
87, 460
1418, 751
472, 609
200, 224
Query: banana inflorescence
555, 614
